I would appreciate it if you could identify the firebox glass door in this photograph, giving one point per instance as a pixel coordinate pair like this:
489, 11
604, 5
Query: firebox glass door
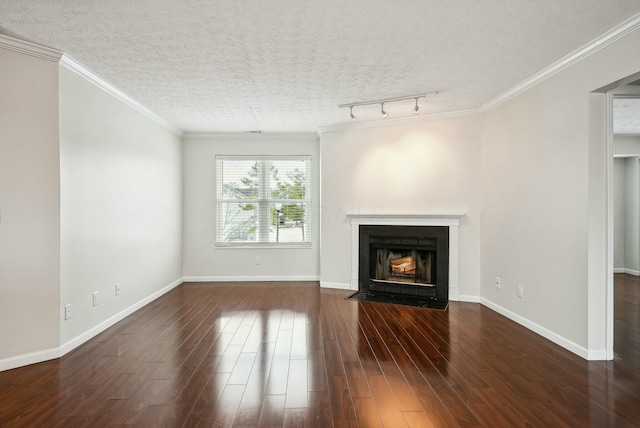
404, 266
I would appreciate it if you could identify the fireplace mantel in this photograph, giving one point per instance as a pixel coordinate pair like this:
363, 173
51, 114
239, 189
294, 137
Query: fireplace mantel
407, 219
450, 220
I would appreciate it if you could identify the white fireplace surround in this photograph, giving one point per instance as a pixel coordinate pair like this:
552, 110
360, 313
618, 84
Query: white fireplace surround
450, 220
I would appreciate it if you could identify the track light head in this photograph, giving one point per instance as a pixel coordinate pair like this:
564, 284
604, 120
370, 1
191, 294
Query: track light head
384, 113
353, 118
416, 109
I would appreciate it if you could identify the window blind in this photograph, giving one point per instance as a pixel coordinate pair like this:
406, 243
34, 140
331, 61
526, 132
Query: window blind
263, 200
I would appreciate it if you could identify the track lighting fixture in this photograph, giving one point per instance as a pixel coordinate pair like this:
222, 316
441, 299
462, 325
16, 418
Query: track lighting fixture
384, 113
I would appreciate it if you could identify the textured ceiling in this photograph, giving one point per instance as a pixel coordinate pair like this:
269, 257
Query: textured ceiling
285, 65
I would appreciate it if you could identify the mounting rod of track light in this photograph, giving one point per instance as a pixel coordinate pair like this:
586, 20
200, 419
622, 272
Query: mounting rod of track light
382, 102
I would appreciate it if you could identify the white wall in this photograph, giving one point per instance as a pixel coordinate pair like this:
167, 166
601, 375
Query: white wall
121, 196
202, 260
29, 205
535, 210
544, 200
421, 168
619, 212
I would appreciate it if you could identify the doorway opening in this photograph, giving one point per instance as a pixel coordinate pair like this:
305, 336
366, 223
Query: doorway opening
625, 185
616, 108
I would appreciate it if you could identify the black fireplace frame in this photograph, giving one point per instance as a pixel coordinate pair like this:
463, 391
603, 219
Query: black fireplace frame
408, 235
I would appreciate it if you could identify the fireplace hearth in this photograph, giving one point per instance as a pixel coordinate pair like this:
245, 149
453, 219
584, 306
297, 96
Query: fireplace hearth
404, 265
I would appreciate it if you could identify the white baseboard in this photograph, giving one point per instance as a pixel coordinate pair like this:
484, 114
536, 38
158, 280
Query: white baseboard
627, 271
250, 278
597, 355
468, 298
544, 332
28, 359
337, 285
50, 354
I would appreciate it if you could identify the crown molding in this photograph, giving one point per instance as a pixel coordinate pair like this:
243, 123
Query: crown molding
600, 42
87, 74
29, 48
383, 123
249, 136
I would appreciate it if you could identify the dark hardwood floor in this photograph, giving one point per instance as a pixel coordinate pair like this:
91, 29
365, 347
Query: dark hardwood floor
292, 354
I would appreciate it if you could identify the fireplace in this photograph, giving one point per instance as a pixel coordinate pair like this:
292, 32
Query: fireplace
450, 222
404, 264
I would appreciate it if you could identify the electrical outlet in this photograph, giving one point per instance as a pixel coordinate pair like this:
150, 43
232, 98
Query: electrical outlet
258, 260
95, 298
118, 289
498, 282
67, 312
520, 288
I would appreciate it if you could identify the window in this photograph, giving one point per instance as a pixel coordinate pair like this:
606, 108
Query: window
263, 200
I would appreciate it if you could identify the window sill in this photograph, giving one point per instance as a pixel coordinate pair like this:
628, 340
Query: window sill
219, 246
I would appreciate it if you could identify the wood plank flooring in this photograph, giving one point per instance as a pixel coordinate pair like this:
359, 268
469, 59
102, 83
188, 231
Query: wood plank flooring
292, 354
